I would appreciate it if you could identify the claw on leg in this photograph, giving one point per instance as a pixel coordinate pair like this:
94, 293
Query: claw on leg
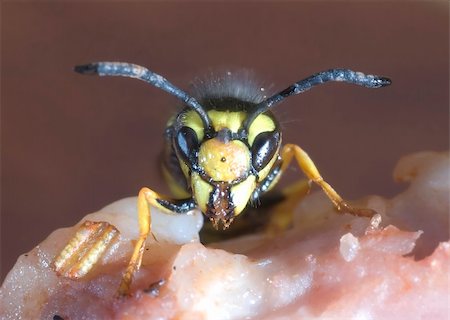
85, 249
344, 207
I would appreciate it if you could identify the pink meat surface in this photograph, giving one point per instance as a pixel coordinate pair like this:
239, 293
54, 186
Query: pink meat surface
328, 266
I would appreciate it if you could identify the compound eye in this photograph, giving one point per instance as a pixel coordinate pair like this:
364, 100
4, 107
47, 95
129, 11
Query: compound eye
263, 149
186, 143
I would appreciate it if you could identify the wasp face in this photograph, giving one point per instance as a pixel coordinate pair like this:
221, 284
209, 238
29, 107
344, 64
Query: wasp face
224, 169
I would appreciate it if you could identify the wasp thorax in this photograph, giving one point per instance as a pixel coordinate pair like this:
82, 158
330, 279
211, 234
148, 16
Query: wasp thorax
224, 160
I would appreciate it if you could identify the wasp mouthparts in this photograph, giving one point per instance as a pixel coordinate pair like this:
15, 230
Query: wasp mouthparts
215, 220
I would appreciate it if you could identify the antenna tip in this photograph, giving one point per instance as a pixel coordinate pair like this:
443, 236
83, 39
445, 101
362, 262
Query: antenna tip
382, 82
91, 68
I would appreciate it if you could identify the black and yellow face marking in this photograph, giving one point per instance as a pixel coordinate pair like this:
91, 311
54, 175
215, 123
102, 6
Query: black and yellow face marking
225, 165
222, 152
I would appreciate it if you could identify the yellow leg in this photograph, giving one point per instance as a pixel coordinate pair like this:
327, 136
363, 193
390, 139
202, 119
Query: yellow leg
92, 239
308, 167
146, 198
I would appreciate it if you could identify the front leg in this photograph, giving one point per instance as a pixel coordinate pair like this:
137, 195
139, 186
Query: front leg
92, 239
146, 198
309, 168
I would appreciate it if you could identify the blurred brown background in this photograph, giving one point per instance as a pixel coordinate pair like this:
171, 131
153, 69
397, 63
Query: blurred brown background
72, 144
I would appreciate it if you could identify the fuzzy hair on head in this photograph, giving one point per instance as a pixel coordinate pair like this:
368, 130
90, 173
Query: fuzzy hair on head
240, 84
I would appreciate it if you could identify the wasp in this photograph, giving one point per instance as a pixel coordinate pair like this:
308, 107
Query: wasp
224, 150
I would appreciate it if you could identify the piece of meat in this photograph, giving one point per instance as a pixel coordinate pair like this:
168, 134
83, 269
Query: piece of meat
328, 266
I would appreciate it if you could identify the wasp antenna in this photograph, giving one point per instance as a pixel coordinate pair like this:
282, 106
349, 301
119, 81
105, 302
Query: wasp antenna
86, 69
124, 69
339, 75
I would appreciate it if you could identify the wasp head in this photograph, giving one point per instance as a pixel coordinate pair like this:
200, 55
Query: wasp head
224, 168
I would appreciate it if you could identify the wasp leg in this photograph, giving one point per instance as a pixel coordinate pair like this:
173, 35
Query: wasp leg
146, 198
282, 214
308, 167
85, 249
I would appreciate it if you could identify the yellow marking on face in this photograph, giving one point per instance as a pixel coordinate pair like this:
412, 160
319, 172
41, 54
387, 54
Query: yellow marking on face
240, 194
262, 123
192, 119
224, 161
184, 169
231, 120
227, 119
201, 191
264, 172
219, 120
274, 181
